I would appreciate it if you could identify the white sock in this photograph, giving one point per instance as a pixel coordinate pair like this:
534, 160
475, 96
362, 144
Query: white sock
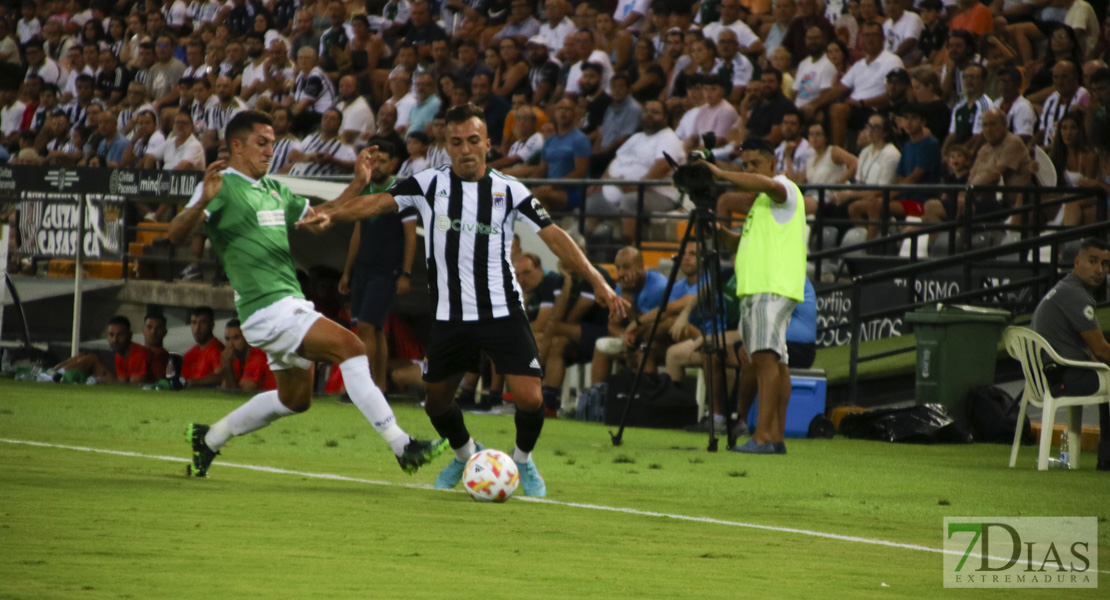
521, 456
718, 418
256, 413
468, 450
370, 401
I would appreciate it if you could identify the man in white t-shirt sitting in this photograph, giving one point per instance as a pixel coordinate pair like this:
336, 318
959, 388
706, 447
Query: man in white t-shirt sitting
358, 118
183, 151
901, 30
864, 83
641, 157
587, 49
794, 149
730, 19
1021, 117
816, 74
528, 142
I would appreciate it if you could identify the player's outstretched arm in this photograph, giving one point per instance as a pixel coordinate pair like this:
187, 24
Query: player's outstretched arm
354, 208
184, 224
572, 258
749, 182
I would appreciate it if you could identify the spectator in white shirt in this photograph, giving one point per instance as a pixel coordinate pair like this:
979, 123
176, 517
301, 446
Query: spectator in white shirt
793, 151
1021, 117
183, 151
400, 88
587, 49
641, 157
38, 63
358, 118
557, 27
748, 41
902, 29
630, 15
864, 83
816, 74
29, 27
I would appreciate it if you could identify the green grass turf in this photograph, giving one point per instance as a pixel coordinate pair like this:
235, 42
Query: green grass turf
84, 525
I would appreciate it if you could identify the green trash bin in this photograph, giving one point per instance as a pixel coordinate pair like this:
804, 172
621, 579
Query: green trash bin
957, 347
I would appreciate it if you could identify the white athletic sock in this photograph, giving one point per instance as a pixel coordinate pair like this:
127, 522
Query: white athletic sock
468, 450
718, 418
256, 413
521, 456
370, 401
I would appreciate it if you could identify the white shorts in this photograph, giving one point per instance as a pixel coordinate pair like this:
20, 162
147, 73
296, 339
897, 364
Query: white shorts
763, 322
279, 329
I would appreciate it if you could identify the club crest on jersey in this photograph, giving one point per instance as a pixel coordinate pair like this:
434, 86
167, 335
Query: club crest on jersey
498, 199
276, 195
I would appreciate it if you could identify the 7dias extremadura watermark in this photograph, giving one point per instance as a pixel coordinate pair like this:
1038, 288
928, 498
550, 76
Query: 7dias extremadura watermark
1020, 552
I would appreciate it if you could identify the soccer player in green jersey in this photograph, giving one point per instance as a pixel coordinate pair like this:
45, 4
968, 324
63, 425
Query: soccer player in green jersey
247, 217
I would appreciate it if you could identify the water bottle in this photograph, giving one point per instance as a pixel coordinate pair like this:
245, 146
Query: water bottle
1065, 455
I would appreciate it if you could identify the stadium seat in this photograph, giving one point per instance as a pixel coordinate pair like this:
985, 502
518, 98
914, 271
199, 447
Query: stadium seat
1030, 349
922, 242
573, 379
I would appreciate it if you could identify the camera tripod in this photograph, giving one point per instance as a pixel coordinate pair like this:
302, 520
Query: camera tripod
701, 229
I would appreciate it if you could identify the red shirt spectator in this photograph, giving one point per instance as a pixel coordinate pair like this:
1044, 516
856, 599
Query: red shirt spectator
136, 363
159, 358
202, 361
256, 369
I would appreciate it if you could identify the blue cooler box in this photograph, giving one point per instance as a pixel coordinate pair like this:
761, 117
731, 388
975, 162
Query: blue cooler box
807, 400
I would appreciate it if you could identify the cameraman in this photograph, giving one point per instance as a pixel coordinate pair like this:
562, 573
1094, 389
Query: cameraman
770, 281
640, 157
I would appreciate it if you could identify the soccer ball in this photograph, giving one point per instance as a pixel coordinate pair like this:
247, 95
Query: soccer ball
490, 476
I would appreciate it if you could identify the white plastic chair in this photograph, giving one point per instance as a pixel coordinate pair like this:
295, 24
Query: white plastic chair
1030, 349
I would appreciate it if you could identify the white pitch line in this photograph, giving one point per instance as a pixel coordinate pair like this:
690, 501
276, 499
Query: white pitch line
616, 509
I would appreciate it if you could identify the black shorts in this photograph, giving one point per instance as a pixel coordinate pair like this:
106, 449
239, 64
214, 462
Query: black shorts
371, 296
457, 346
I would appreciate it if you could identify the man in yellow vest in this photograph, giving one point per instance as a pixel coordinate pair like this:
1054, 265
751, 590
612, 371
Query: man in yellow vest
770, 281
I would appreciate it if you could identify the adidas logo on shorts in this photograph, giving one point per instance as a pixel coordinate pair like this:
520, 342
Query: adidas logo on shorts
535, 364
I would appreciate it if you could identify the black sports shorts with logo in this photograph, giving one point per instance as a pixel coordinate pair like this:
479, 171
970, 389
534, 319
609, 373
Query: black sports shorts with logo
456, 347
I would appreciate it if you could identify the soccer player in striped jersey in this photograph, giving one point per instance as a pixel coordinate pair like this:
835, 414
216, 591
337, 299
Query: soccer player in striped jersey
246, 216
468, 211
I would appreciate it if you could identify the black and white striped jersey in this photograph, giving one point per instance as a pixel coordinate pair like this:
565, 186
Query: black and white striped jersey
468, 234
281, 152
317, 144
314, 86
217, 116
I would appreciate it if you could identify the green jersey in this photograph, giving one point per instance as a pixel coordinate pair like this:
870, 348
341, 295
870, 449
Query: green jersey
248, 224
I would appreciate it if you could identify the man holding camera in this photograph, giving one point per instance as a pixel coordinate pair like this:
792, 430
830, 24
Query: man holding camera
770, 281
640, 157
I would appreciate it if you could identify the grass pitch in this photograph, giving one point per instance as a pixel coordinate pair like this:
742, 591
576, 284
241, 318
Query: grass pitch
334, 517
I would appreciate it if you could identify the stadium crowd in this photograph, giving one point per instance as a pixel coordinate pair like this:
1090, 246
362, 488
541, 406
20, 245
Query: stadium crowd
895, 92
892, 92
